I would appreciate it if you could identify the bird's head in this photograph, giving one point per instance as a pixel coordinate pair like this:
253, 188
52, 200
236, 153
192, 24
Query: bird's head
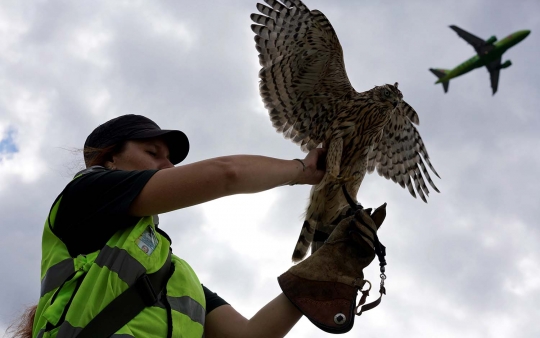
389, 96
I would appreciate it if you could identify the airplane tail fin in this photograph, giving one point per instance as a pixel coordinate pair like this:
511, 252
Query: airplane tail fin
440, 73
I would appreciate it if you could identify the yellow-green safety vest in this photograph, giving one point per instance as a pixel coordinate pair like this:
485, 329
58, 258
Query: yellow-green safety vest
75, 289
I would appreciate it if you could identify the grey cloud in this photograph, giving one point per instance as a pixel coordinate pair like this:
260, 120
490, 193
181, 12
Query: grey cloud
462, 265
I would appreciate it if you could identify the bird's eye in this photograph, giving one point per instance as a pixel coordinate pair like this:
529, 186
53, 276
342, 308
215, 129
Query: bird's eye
152, 153
386, 92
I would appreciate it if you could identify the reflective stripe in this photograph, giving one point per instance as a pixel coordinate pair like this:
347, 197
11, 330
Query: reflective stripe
117, 260
56, 275
68, 331
120, 261
189, 307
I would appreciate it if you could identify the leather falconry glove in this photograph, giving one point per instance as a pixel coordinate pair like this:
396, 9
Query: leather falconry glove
324, 286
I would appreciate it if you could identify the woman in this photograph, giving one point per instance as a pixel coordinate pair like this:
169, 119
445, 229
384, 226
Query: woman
102, 244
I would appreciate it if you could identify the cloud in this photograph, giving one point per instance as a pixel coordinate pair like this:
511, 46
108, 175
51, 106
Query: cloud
465, 264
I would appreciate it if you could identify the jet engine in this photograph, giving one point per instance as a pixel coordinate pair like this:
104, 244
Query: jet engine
491, 40
506, 64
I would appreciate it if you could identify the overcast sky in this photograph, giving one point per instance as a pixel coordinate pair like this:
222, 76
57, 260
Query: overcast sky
467, 264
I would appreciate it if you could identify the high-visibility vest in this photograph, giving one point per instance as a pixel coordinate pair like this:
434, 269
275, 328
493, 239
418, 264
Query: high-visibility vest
75, 289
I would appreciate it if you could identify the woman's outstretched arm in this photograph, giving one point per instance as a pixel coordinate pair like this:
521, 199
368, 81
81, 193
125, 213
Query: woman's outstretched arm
195, 183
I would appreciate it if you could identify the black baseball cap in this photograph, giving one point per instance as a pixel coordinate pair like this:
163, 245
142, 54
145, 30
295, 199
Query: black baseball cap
136, 127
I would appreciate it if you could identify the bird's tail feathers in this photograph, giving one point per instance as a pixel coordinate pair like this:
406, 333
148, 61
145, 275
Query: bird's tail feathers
304, 241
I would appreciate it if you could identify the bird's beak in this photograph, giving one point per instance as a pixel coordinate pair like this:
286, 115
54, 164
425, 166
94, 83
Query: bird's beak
395, 103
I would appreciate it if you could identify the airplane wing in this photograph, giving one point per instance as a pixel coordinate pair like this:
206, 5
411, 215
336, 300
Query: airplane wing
494, 68
480, 46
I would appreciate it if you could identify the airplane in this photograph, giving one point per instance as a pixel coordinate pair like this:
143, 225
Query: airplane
489, 54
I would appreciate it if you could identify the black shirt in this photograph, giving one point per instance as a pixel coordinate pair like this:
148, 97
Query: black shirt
96, 205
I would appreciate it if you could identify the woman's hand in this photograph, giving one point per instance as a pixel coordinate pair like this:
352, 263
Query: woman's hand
315, 169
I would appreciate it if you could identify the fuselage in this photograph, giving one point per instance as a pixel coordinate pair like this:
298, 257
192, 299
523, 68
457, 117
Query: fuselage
478, 61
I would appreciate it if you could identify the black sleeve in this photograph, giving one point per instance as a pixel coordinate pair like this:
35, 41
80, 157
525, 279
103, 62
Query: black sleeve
95, 206
213, 301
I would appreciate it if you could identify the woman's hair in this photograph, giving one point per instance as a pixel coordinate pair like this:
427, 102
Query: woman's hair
98, 156
23, 327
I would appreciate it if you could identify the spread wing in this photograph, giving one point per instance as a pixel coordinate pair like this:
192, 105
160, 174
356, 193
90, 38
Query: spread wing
472, 39
303, 73
494, 68
479, 45
400, 154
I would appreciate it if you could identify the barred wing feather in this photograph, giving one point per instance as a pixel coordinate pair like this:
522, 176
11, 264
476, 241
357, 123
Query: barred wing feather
303, 73
400, 154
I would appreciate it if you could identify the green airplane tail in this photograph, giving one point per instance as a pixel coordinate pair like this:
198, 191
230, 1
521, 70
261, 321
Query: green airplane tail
441, 73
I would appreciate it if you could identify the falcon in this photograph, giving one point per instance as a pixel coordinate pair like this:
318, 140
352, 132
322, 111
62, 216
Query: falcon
305, 88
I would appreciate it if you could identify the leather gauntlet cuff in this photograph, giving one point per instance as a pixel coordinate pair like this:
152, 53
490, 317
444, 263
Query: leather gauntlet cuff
324, 286
328, 305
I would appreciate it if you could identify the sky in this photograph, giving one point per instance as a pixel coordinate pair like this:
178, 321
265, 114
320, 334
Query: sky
466, 264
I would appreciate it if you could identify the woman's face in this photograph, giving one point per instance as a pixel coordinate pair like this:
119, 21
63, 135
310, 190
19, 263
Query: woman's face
144, 154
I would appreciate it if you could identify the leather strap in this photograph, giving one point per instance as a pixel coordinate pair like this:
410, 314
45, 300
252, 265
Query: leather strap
371, 305
380, 251
144, 292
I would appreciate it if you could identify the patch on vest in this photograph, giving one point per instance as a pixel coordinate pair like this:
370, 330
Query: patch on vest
147, 241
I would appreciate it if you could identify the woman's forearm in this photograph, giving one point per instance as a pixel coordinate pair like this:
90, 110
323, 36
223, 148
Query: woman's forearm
258, 173
184, 186
274, 320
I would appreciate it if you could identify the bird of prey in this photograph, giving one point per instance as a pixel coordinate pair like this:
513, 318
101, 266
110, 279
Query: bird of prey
310, 100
